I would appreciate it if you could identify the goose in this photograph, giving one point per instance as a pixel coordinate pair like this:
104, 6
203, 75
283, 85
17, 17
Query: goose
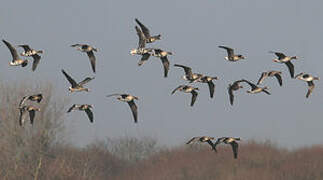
309, 79
188, 89
83, 107
36, 97
33, 53
31, 110
231, 56
209, 81
256, 89
203, 139
282, 58
189, 75
232, 141
16, 61
76, 87
145, 30
277, 74
130, 100
141, 50
163, 57
234, 87
89, 51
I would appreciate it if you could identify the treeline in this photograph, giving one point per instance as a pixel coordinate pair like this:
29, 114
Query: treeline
40, 152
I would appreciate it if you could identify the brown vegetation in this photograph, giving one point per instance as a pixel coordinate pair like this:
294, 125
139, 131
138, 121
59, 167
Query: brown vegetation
39, 152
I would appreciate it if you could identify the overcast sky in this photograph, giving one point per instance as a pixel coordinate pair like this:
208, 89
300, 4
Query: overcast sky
192, 30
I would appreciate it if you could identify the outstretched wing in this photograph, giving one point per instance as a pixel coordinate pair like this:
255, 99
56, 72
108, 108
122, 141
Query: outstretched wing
262, 78
36, 58
143, 59
13, 51
188, 70
69, 78
235, 147
194, 96
91, 56
278, 54
231, 96
134, 110
22, 116
23, 101
290, 68
144, 29
165, 65
279, 78
310, 88
71, 108
25, 47
211, 88
32, 116
76, 45
115, 94
253, 86
142, 39
179, 87
89, 114
193, 140
230, 51
86, 80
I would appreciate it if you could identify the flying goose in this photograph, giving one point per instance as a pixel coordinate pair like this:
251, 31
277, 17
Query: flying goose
36, 97
130, 100
145, 30
277, 74
231, 56
189, 75
282, 58
83, 107
141, 50
33, 53
209, 81
23, 113
89, 51
16, 61
229, 140
163, 57
76, 87
188, 89
203, 139
256, 89
309, 79
234, 87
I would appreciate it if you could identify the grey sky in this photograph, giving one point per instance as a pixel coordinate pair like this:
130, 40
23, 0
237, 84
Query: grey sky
192, 30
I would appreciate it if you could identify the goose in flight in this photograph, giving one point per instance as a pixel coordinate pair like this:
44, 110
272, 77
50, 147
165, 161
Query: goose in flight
276, 74
145, 30
188, 89
234, 87
231, 56
141, 50
189, 75
16, 60
83, 107
209, 81
76, 87
229, 140
282, 58
309, 79
89, 51
130, 100
256, 89
203, 139
24, 110
36, 97
163, 57
33, 53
